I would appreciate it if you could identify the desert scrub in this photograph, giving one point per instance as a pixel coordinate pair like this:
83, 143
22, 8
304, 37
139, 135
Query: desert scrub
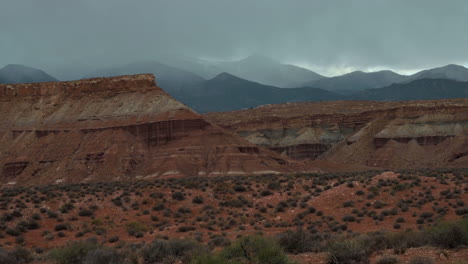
136, 229
250, 249
348, 252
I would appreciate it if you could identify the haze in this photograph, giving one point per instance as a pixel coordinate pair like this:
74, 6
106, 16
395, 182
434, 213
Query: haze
329, 37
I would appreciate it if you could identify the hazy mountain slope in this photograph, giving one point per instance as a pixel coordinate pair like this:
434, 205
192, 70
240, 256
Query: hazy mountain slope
256, 68
168, 77
264, 70
15, 73
423, 89
357, 80
451, 71
227, 92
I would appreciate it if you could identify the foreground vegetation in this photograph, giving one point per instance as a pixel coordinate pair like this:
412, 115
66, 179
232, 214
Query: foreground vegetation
258, 219
355, 248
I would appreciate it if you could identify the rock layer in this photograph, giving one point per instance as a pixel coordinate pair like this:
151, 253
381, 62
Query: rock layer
116, 128
374, 134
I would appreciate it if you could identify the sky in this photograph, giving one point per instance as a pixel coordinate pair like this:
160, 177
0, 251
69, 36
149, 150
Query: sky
328, 36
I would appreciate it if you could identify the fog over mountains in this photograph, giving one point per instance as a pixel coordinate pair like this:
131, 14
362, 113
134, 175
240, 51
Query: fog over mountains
257, 80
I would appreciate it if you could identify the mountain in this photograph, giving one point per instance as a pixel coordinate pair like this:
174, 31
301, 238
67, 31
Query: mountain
423, 89
389, 135
357, 80
267, 71
451, 71
171, 78
15, 73
227, 92
117, 128
256, 68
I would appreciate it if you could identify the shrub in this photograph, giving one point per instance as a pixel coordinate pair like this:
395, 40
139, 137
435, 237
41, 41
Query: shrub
197, 200
349, 218
219, 241
60, 227
348, 204
449, 234
85, 212
348, 252
265, 193
178, 196
72, 253
136, 229
113, 239
103, 256
239, 188
13, 232
179, 249
185, 228
18, 255
295, 241
253, 249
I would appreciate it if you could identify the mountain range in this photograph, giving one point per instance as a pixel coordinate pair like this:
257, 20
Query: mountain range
227, 92
242, 85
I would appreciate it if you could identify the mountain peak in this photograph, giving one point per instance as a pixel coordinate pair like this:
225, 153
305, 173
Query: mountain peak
14, 67
224, 76
17, 73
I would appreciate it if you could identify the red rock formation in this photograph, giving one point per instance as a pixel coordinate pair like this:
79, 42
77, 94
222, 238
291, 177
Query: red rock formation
116, 128
376, 134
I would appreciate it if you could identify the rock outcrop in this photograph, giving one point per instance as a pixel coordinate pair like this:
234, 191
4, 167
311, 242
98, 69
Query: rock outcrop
374, 134
116, 128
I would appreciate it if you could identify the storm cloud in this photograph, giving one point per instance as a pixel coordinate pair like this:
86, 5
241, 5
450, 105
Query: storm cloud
325, 36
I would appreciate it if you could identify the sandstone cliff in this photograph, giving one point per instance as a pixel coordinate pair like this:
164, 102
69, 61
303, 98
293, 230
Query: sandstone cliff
373, 134
116, 128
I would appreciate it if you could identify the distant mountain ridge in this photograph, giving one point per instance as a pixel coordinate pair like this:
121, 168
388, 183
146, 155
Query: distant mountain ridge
256, 68
451, 71
227, 92
422, 89
357, 80
16, 73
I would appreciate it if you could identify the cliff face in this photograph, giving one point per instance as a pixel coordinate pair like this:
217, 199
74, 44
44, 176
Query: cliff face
383, 135
116, 128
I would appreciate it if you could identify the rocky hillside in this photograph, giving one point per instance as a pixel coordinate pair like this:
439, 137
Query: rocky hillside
116, 128
395, 135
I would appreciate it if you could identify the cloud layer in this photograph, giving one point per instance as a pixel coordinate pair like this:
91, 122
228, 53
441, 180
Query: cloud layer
328, 34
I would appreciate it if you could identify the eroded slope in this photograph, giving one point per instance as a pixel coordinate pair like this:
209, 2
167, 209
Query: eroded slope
374, 134
116, 128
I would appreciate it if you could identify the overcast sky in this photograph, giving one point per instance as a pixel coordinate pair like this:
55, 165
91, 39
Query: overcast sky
329, 36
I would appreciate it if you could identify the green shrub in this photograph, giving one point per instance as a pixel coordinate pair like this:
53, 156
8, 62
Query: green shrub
104, 256
72, 253
449, 234
136, 228
18, 255
160, 250
296, 241
254, 249
348, 252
